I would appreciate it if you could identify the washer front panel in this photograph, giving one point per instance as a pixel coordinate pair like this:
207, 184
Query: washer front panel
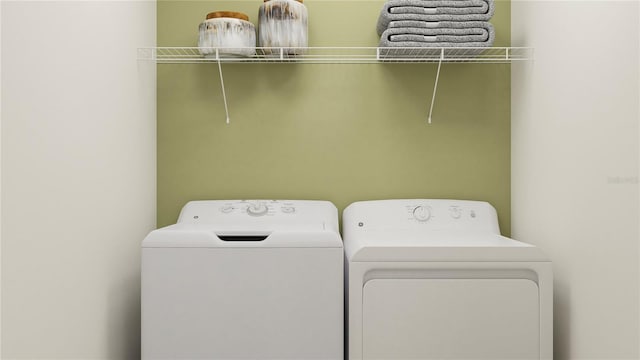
252, 303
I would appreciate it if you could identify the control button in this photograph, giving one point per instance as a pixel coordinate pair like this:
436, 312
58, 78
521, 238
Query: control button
226, 209
422, 213
288, 209
473, 214
455, 212
257, 209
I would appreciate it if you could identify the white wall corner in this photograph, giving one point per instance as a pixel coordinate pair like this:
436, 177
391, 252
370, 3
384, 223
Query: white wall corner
576, 146
78, 153
1, 5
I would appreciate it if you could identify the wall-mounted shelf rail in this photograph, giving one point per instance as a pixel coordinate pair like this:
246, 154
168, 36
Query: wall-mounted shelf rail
338, 55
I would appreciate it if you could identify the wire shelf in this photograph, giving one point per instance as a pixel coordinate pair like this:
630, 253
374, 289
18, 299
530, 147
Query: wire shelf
338, 55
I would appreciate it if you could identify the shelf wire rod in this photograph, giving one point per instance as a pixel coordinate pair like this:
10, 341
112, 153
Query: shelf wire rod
435, 85
224, 94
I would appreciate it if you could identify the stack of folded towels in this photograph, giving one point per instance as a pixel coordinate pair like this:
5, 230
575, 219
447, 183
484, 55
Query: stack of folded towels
436, 23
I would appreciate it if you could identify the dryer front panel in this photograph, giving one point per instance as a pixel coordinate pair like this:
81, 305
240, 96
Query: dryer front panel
450, 319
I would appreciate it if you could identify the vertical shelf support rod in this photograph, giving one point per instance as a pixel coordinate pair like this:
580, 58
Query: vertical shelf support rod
435, 85
224, 94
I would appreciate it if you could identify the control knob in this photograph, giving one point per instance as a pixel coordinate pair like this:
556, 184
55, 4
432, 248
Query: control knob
226, 209
422, 213
257, 209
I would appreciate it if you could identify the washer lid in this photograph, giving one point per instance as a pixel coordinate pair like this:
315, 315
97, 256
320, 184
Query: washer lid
251, 223
444, 246
206, 236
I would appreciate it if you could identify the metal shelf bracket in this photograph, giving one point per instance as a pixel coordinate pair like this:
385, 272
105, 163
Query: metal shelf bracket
224, 93
435, 85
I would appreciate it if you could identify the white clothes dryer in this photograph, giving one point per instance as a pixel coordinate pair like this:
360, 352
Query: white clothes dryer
245, 279
434, 279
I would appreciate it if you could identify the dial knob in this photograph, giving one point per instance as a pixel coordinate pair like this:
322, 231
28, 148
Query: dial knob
422, 213
288, 209
257, 209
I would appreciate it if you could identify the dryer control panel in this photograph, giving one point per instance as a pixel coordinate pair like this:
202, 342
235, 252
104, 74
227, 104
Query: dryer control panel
422, 215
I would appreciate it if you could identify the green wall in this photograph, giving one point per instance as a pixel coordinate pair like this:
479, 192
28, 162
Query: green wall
334, 132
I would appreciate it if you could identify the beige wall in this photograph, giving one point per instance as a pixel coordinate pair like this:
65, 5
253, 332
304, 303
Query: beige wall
78, 176
575, 166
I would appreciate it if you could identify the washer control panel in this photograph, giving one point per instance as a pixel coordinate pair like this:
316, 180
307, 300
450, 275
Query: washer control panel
256, 208
422, 215
263, 215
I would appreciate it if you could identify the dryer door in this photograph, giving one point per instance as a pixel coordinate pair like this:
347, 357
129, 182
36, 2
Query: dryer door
450, 319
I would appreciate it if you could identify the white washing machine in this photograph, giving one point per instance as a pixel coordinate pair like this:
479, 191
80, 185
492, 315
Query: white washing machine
434, 279
245, 280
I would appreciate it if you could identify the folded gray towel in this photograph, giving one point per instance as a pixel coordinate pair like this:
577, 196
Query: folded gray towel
440, 36
440, 24
479, 37
448, 33
434, 10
